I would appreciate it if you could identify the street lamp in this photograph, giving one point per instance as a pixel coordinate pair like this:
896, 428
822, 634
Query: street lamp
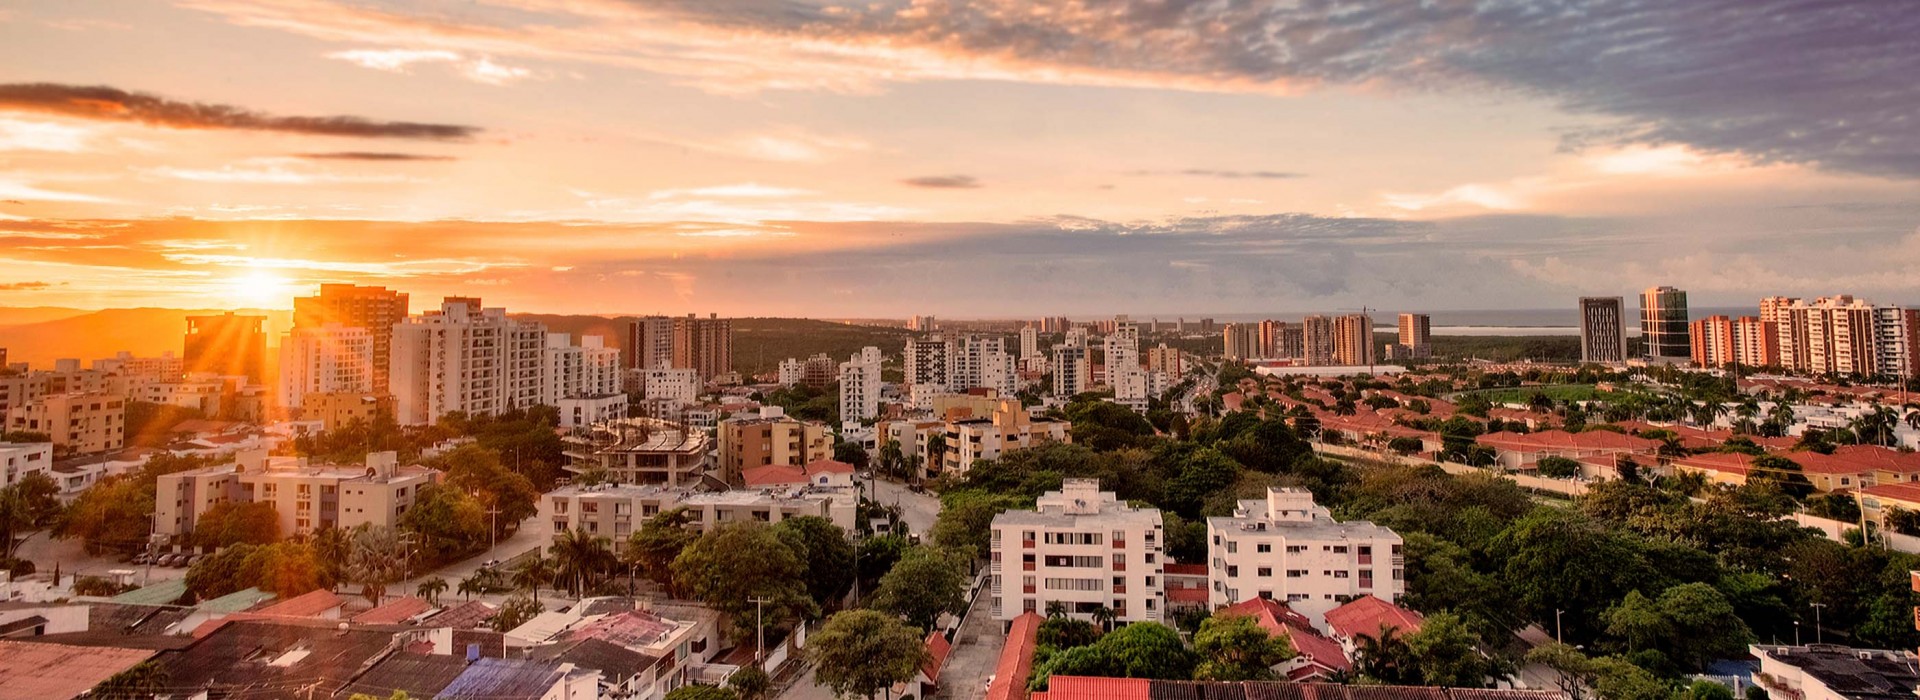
1818, 631
1556, 627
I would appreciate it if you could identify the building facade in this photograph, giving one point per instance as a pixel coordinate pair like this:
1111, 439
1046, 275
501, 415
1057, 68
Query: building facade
1007, 427
704, 345
84, 423
1603, 331
326, 359
1083, 548
650, 343
860, 384
306, 497
1289, 549
770, 438
640, 451
1353, 340
1317, 340
619, 511
227, 344
1663, 323
375, 309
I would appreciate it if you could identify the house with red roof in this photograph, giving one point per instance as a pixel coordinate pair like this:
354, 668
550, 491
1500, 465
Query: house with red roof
825, 473
1521, 450
1366, 616
1318, 657
394, 611
1016, 659
928, 680
1879, 501
1834, 472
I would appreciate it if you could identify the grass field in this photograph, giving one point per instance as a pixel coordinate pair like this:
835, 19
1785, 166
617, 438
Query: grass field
1557, 392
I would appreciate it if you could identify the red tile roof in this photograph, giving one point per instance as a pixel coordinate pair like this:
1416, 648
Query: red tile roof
38, 670
773, 475
829, 466
1879, 458
309, 604
1563, 440
937, 651
1905, 491
1186, 569
1094, 688
394, 611
1279, 620
1364, 616
1016, 660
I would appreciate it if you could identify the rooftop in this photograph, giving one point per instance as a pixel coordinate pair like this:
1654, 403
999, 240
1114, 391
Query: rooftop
503, 678
1089, 688
1857, 674
42, 670
1364, 616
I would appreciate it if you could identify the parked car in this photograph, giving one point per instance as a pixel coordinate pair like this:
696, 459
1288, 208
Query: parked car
142, 558
191, 558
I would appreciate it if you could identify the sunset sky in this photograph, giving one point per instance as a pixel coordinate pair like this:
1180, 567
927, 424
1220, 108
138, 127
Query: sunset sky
957, 157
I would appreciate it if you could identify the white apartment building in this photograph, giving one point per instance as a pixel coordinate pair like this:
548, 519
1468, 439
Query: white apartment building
926, 361
476, 360
326, 359
1029, 342
791, 371
1008, 427
1083, 548
583, 411
306, 496
19, 459
1289, 549
860, 386
1124, 374
680, 385
619, 511
1072, 372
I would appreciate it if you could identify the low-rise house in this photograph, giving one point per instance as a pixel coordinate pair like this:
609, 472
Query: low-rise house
820, 473
1832, 672
1369, 616
619, 511
1316, 656
677, 641
1521, 450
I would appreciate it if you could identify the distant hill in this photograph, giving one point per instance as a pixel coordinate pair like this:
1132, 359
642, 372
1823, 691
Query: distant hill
17, 315
92, 335
759, 344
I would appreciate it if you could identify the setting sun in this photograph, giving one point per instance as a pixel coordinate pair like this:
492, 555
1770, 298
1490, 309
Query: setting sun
259, 288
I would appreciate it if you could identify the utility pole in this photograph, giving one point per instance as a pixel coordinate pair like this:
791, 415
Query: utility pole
760, 626
1819, 635
1556, 627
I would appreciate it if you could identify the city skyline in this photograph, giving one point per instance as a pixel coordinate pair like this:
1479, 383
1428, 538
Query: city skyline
962, 159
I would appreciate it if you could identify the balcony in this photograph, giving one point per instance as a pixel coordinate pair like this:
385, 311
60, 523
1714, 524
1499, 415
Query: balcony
1119, 566
1119, 544
1366, 560
1119, 590
1026, 544
1026, 566
1026, 589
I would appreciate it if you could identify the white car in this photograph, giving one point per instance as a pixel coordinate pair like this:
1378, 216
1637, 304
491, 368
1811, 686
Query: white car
989, 684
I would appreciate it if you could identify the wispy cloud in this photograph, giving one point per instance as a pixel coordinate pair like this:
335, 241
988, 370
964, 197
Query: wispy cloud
269, 171
104, 103
745, 189
943, 182
24, 286
377, 156
17, 191
480, 70
1226, 174
18, 135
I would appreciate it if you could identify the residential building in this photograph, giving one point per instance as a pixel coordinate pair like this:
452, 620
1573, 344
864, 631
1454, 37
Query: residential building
19, 459
1353, 340
640, 451
1240, 341
167, 367
1837, 335
1416, 337
326, 359
584, 411
1080, 547
925, 362
375, 309
1290, 341
681, 385
1603, 331
922, 323
1317, 657
771, 437
1712, 342
1317, 343
1287, 548
860, 385
1008, 427
1125, 376
476, 360
1756, 342
307, 497
337, 409
643, 649
1832, 672
1072, 370
1663, 323
83, 423
617, 511
590, 369
227, 344
703, 344
1894, 352
1166, 360
980, 362
650, 343
1029, 342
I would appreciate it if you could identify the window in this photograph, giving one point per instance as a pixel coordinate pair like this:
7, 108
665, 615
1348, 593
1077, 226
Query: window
1263, 571
1296, 573
1267, 595
1233, 571
1149, 603
1296, 548
1233, 547
1342, 574
1263, 548
1073, 584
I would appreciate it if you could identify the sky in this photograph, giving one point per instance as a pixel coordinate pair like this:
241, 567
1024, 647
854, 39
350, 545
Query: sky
957, 157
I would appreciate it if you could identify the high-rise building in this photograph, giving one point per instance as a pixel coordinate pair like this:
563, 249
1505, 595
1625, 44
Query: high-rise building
1416, 336
376, 309
1316, 334
1029, 342
1072, 372
1893, 341
587, 370
1267, 342
227, 345
1240, 341
921, 323
925, 361
650, 343
860, 386
1290, 341
326, 359
476, 360
1790, 339
1603, 331
1124, 374
1353, 340
1756, 342
1165, 360
704, 345
1712, 341
1663, 322
1841, 335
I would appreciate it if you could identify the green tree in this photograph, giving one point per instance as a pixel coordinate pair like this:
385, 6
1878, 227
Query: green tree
450, 522
1385, 658
580, 558
1204, 473
1235, 648
144, 680
514, 612
658, 542
376, 559
698, 691
1448, 654
736, 562
1405, 445
851, 453
966, 519
1558, 468
1608, 677
28, 506
859, 652
1066, 633
829, 555
475, 469
231, 522
532, 574
431, 589
750, 683
111, 516
286, 569
219, 573
1782, 471
1138, 650
926, 583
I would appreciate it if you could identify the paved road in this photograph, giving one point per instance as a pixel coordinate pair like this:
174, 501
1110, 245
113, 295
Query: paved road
72, 559
918, 509
975, 653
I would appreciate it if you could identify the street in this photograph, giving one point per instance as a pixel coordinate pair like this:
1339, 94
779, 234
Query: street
918, 510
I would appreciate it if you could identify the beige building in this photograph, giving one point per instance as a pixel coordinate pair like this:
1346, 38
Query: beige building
618, 511
19, 459
1083, 548
307, 497
770, 438
703, 344
1353, 340
337, 409
641, 451
1007, 427
1288, 549
82, 423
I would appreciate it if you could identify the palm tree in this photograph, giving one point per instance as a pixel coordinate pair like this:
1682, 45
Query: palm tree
1056, 610
537, 572
471, 585
1103, 616
891, 458
1913, 416
376, 559
431, 589
937, 448
579, 557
